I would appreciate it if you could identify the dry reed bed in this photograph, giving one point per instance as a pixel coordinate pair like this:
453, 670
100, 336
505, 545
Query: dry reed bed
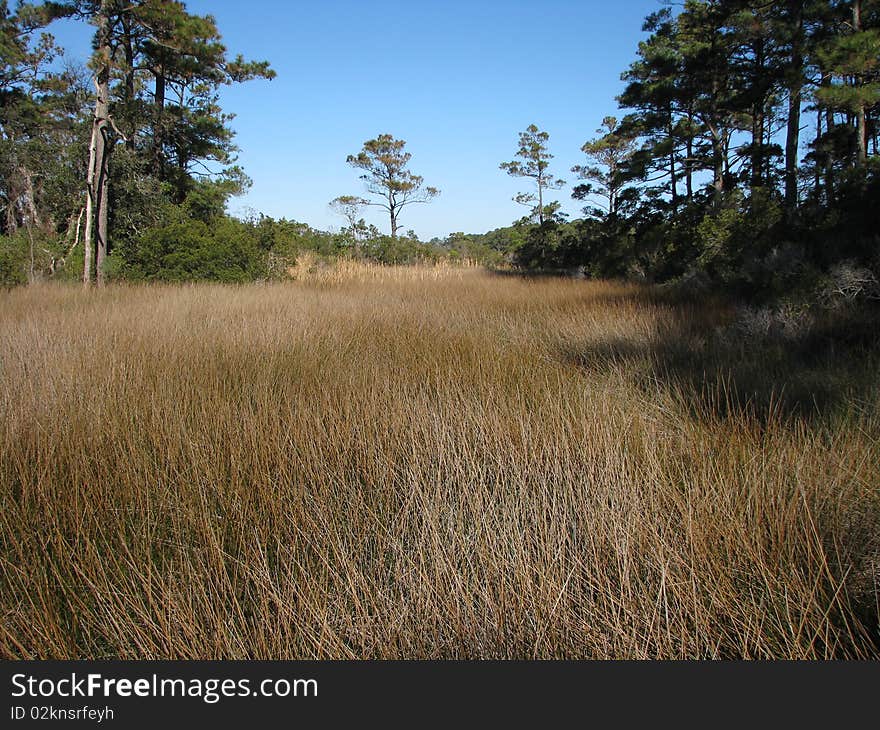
403, 463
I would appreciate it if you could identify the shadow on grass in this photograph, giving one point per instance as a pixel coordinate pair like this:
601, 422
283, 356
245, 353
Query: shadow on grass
759, 366
727, 361
530, 274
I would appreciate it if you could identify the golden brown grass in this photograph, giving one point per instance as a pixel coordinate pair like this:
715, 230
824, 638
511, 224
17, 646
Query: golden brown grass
417, 463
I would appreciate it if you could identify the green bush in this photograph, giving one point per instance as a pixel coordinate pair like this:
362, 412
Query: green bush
738, 240
401, 250
13, 261
24, 253
191, 251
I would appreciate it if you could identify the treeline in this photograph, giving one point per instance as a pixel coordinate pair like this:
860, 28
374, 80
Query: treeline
123, 168
235, 250
746, 153
117, 151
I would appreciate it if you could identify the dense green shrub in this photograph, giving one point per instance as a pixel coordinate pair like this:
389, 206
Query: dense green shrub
26, 255
192, 251
13, 261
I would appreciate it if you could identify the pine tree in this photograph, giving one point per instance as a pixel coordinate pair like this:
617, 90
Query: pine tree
387, 177
534, 163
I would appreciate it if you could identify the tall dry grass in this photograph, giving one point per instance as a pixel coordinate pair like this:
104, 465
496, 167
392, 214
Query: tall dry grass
419, 463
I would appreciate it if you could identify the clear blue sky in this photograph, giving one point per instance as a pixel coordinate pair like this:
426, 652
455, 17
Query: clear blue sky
457, 80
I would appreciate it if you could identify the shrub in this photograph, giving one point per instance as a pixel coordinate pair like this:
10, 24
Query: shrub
13, 261
191, 251
849, 282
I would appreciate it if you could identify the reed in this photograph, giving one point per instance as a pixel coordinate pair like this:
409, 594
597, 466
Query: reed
375, 462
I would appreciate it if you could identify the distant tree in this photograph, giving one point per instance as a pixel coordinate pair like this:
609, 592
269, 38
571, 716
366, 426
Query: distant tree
611, 151
349, 207
534, 164
386, 176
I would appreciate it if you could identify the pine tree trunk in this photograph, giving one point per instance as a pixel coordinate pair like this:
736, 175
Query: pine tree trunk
128, 48
861, 124
829, 164
817, 177
673, 178
540, 201
158, 122
718, 165
757, 156
795, 86
689, 165
862, 128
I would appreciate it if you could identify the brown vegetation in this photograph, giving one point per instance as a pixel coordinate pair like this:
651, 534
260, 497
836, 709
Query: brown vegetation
429, 463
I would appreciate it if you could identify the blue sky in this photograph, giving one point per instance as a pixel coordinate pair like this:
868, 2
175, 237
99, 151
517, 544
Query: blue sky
457, 80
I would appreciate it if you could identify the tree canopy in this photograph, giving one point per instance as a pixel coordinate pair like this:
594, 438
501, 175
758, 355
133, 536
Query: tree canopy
387, 178
744, 151
534, 163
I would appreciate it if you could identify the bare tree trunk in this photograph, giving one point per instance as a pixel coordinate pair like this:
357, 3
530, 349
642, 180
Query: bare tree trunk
29, 197
72, 232
78, 223
102, 215
98, 175
87, 234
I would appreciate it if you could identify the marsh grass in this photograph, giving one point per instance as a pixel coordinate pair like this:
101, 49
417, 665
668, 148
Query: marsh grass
425, 462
